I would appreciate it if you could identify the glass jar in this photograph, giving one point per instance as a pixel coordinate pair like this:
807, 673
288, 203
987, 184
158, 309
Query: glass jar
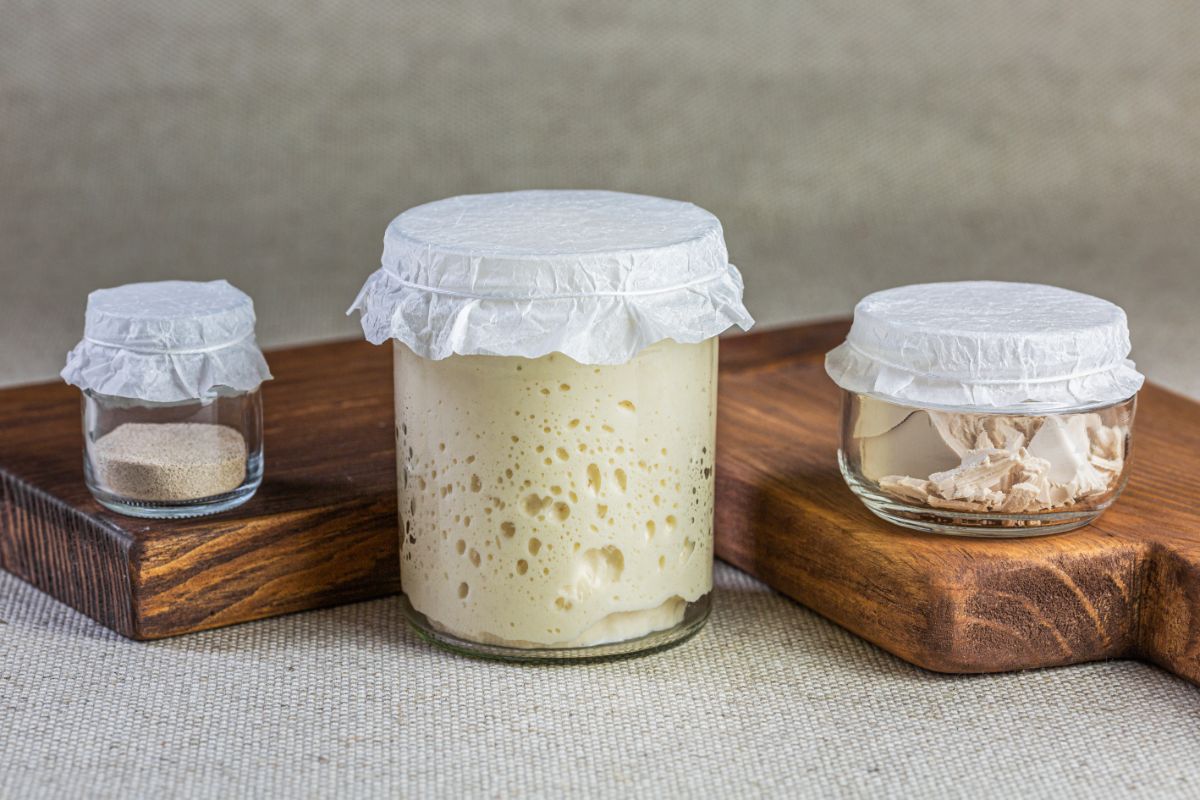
985, 408
172, 411
555, 418
956, 471
180, 459
568, 507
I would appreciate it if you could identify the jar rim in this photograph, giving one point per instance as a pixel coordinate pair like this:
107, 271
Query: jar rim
1028, 409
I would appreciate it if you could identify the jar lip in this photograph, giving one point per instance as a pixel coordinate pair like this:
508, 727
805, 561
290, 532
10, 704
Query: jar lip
1024, 410
217, 393
144, 349
514, 295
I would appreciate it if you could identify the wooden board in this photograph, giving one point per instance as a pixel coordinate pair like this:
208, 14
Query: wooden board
1127, 586
322, 529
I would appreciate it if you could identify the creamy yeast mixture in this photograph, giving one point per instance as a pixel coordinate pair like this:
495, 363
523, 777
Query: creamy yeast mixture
544, 502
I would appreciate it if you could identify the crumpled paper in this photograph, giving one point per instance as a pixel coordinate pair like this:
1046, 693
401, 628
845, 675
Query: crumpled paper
987, 345
167, 341
595, 275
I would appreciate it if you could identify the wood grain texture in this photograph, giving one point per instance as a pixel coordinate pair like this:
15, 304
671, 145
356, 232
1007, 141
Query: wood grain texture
322, 529
1127, 586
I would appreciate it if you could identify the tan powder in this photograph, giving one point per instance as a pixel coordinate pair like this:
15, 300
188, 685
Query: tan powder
170, 461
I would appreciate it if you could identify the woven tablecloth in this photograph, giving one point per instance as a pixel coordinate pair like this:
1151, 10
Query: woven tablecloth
769, 699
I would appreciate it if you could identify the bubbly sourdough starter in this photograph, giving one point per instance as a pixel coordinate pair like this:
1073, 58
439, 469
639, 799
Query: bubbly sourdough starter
548, 503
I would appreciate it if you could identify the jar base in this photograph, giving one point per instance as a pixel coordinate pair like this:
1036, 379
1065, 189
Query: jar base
961, 523
695, 615
182, 509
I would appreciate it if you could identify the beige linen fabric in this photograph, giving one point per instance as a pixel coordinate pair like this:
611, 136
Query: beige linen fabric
847, 146
769, 700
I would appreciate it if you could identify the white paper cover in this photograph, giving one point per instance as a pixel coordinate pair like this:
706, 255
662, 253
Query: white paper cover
167, 341
595, 275
987, 344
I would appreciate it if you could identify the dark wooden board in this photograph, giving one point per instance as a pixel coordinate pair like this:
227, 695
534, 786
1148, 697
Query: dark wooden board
322, 529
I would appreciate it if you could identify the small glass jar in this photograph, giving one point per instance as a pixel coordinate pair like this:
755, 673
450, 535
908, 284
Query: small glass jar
986, 408
555, 454
986, 474
181, 459
172, 411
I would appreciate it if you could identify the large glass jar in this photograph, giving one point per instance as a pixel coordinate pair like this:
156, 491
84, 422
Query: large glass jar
172, 411
986, 408
555, 389
565, 506
180, 459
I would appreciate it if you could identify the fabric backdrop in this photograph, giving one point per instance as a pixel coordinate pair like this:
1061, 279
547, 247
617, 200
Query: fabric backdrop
847, 145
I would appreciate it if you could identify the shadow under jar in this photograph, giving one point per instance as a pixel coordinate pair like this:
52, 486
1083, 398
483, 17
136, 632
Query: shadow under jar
1013, 420
555, 390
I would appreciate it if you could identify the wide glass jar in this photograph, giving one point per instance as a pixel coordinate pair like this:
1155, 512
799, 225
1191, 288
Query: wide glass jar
1002, 474
172, 411
986, 408
555, 389
180, 459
